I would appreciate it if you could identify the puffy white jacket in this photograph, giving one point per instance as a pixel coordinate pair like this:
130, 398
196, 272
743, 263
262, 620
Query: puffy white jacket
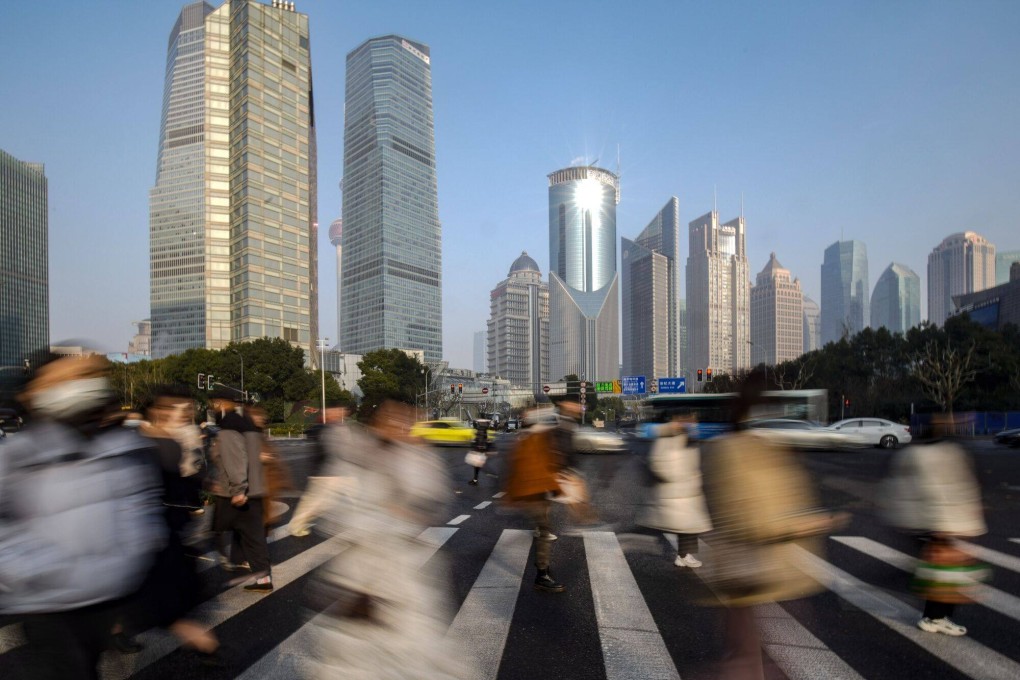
677, 503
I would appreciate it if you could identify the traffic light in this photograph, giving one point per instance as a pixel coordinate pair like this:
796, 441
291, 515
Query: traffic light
699, 375
453, 389
460, 388
201, 381
846, 402
708, 374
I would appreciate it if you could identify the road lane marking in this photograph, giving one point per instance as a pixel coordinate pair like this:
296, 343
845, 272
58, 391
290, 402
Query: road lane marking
499, 495
1014, 540
483, 505
632, 648
291, 658
994, 599
482, 625
217, 610
990, 556
458, 519
962, 653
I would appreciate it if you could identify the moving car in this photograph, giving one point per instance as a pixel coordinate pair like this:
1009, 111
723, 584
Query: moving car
444, 432
590, 440
803, 434
874, 431
1009, 437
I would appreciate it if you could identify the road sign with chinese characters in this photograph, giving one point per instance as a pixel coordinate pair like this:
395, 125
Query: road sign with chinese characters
672, 385
633, 384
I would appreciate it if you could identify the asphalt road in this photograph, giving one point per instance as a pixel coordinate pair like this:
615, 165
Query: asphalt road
628, 611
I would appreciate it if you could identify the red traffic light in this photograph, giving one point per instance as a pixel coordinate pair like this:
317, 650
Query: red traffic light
699, 375
846, 402
708, 374
460, 387
453, 389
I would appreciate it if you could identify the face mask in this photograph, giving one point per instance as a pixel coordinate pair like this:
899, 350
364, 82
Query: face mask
68, 399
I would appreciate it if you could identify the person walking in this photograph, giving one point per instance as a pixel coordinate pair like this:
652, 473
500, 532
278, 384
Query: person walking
81, 519
322, 483
933, 494
238, 483
676, 503
478, 455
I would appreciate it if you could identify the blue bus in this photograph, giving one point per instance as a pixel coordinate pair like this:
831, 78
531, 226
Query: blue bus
715, 415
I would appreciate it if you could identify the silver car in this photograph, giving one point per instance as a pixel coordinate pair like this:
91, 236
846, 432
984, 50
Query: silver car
590, 440
874, 431
802, 434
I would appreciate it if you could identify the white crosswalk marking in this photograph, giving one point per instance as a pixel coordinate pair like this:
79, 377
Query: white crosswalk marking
458, 519
994, 599
483, 505
287, 659
632, 647
1014, 540
217, 610
991, 556
499, 495
962, 653
483, 622
211, 558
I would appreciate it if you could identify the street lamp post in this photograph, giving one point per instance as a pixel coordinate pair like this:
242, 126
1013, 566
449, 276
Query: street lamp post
322, 370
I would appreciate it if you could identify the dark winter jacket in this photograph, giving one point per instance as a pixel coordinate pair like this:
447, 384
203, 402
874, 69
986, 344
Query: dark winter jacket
235, 455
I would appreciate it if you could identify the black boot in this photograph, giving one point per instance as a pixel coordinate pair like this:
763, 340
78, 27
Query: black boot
546, 583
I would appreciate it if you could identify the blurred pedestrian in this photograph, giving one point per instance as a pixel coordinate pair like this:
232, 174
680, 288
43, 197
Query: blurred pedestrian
239, 485
80, 519
478, 455
932, 493
764, 509
278, 479
383, 615
321, 482
676, 503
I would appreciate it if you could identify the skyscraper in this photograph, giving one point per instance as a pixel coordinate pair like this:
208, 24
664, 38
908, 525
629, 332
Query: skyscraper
812, 325
584, 298
232, 228
1003, 260
963, 263
896, 300
24, 262
844, 290
392, 259
650, 288
336, 237
518, 327
718, 295
777, 316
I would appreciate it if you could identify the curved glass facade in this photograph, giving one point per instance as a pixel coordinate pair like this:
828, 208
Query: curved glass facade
845, 301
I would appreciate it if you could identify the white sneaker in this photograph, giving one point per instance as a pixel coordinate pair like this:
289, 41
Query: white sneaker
687, 560
943, 625
549, 536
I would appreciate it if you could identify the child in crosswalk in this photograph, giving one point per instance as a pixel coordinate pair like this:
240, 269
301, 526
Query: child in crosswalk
676, 503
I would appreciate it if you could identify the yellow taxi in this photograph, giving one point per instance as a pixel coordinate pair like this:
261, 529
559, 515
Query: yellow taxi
444, 432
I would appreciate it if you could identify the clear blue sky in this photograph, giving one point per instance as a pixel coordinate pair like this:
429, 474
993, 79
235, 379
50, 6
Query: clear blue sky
895, 123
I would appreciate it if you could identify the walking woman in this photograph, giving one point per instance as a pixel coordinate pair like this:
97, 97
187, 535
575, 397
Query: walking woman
677, 503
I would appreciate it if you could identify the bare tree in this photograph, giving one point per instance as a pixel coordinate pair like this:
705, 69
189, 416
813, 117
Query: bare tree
943, 371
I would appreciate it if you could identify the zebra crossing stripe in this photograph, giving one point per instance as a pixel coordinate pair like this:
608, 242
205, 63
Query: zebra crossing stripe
1008, 562
964, 654
1014, 540
458, 519
215, 611
482, 625
483, 505
632, 648
288, 659
994, 599
212, 558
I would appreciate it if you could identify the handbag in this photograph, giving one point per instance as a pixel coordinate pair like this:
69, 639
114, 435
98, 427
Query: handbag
947, 574
475, 459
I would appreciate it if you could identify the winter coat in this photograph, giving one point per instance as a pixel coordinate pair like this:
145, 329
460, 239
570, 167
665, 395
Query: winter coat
676, 503
931, 488
532, 466
236, 458
81, 519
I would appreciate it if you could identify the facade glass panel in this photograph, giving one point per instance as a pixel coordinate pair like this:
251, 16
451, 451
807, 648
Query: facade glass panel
896, 300
845, 301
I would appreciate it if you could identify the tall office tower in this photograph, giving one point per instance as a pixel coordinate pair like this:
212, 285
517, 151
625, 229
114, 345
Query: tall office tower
777, 316
518, 327
392, 261
480, 351
896, 300
336, 233
232, 228
1003, 261
650, 291
844, 290
24, 263
718, 295
584, 298
812, 325
962, 263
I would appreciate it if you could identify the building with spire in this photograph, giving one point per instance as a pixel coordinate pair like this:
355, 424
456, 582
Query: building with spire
718, 295
584, 298
650, 291
518, 328
896, 300
845, 309
963, 263
777, 316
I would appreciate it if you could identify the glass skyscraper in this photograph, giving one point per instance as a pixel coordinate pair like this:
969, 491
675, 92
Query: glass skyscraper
392, 257
650, 287
896, 300
844, 290
232, 214
584, 298
24, 263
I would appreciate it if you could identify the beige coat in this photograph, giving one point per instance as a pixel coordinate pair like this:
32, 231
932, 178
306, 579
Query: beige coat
676, 503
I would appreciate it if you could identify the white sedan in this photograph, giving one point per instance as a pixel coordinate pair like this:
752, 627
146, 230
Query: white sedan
874, 431
802, 434
590, 440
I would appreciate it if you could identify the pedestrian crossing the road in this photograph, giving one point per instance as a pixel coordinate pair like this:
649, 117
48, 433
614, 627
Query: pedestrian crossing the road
626, 591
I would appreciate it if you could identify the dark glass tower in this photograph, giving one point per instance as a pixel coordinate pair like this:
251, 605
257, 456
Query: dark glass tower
392, 258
